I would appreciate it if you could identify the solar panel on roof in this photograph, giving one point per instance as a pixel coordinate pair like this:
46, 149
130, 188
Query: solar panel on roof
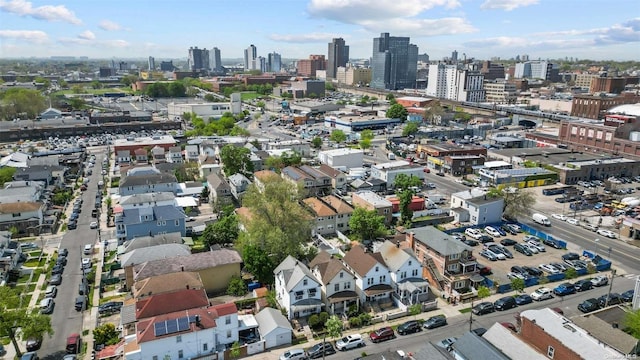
160, 328
172, 326
183, 323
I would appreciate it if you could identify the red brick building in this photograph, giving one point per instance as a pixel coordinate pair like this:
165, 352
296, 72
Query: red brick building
308, 67
595, 107
613, 85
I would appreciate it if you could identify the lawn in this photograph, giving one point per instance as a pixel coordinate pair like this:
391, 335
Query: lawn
88, 90
246, 96
465, 310
35, 262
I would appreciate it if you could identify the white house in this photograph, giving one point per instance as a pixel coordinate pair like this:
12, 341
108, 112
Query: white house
174, 155
338, 283
475, 207
389, 170
137, 201
373, 278
239, 185
274, 328
406, 273
123, 157
191, 153
342, 158
297, 290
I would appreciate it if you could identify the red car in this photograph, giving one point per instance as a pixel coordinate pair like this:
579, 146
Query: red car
382, 334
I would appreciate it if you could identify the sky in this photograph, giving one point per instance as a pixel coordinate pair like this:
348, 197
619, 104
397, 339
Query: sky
165, 29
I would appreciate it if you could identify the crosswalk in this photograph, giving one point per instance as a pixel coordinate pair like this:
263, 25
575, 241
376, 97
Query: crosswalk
630, 276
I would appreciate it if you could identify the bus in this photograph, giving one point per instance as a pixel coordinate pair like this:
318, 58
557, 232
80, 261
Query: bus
560, 190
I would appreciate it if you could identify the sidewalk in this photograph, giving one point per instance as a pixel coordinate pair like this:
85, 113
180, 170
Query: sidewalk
90, 316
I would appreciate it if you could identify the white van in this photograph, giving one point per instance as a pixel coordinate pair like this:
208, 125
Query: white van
541, 219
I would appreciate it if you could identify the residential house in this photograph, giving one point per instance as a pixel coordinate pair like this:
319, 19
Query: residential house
166, 283
216, 268
259, 177
123, 157
448, 263
141, 156
330, 214
219, 190
406, 273
462, 164
372, 201
297, 290
191, 153
389, 170
157, 155
21, 191
301, 147
338, 283
25, 217
274, 328
169, 302
142, 200
174, 155
472, 346
371, 184
312, 181
373, 278
417, 203
239, 185
147, 179
149, 221
338, 178
149, 253
10, 254
42, 173
475, 207
510, 344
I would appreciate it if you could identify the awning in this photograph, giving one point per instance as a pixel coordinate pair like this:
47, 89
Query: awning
378, 289
412, 286
307, 304
186, 201
342, 296
476, 278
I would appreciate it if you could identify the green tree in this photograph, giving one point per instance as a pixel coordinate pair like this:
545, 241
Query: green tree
570, 273
204, 194
177, 89
406, 214
129, 79
222, 232
235, 352
410, 129
258, 263
367, 134
77, 103
366, 224
95, 84
406, 182
433, 114
415, 310
6, 174
517, 202
236, 287
397, 111
12, 316
316, 142
517, 284
236, 160
364, 144
329, 86
106, 334
239, 131
260, 104
21, 103
390, 97
78, 89
210, 98
333, 327
632, 323
483, 292
338, 136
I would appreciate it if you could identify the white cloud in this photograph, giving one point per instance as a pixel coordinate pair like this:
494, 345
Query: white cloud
44, 12
422, 27
507, 5
87, 35
109, 25
304, 38
33, 36
94, 43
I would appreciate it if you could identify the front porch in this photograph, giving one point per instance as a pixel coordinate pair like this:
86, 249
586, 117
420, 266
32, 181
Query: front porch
413, 291
341, 301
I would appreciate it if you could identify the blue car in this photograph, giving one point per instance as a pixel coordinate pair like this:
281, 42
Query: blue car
499, 230
523, 299
564, 289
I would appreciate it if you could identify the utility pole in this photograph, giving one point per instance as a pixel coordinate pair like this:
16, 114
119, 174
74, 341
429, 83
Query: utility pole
613, 275
471, 316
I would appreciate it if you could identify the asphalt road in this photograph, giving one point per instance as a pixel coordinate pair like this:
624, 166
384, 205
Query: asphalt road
459, 325
65, 320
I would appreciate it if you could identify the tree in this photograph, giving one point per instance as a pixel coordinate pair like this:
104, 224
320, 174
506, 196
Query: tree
517, 202
96, 84
632, 323
204, 194
260, 104
338, 136
405, 182
129, 79
415, 309
406, 214
239, 131
391, 98
483, 292
77, 103
333, 327
517, 284
210, 98
106, 334
234, 352
258, 263
397, 111
367, 134
570, 273
236, 287
410, 129
21, 103
222, 232
365, 144
177, 89
433, 114
6, 174
236, 160
366, 224
316, 142
12, 316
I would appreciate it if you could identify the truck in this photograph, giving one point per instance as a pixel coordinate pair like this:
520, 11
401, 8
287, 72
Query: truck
541, 219
391, 156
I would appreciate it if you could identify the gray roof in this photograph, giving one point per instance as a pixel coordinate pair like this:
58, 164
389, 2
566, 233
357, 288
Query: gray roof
192, 262
147, 179
147, 241
293, 271
164, 251
217, 182
430, 352
270, 319
439, 241
393, 256
510, 344
472, 346
606, 333
146, 198
164, 212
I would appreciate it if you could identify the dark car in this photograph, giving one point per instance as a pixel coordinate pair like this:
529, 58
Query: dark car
505, 303
56, 279
479, 331
61, 260
72, 225
81, 303
409, 327
532, 271
627, 296
583, 285
63, 252
320, 349
33, 344
485, 239
553, 243
471, 242
435, 322
614, 299
589, 305
74, 216
382, 334
570, 256
523, 299
508, 242
522, 249
31, 355
57, 269
564, 289
110, 307
483, 308
508, 230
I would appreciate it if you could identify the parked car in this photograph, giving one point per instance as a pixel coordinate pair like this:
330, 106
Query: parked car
613, 299
318, 350
485, 239
72, 224
508, 230
537, 245
488, 254
409, 327
435, 322
573, 221
583, 285
483, 308
51, 291
505, 303
552, 242
564, 289
590, 226
497, 249
110, 307
560, 217
446, 343
522, 249
542, 293
608, 233
532, 271
560, 266
350, 342
570, 256
56, 279
473, 233
88, 249
589, 305
508, 242
509, 326
63, 252
600, 280
46, 305
73, 343
483, 269
548, 269
523, 299
31, 355
627, 296
533, 249
293, 354
492, 231
382, 334
33, 344
57, 269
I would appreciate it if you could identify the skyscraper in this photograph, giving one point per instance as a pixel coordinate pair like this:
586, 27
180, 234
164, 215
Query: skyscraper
274, 62
198, 59
152, 63
454, 56
216, 60
394, 63
338, 56
250, 56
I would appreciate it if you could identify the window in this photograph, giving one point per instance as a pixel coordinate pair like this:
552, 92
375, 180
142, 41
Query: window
454, 256
205, 347
403, 275
180, 354
409, 262
15, 214
155, 357
341, 275
459, 284
177, 222
370, 281
453, 267
179, 339
228, 333
414, 273
304, 282
227, 320
336, 287
383, 278
377, 268
347, 285
550, 352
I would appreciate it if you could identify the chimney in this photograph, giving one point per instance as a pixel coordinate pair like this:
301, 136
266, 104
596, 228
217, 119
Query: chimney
187, 286
398, 244
198, 321
181, 268
412, 240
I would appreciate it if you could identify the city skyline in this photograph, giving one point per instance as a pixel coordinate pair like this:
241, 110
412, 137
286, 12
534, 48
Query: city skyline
481, 29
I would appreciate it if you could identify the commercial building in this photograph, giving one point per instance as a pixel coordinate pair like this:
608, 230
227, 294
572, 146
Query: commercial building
152, 63
308, 67
97, 117
611, 85
595, 107
358, 123
356, 76
133, 143
492, 71
250, 57
274, 62
394, 63
198, 59
202, 110
342, 158
388, 171
539, 69
338, 56
216, 60
500, 92
449, 82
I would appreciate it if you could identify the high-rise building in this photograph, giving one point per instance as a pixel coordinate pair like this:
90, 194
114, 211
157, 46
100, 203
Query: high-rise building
152, 63
250, 57
423, 58
215, 61
394, 63
198, 59
537, 70
338, 55
308, 67
454, 56
470, 86
449, 82
167, 66
492, 71
274, 63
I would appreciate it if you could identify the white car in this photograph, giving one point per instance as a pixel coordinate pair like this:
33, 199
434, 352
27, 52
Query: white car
491, 231
86, 263
542, 293
548, 268
559, 217
473, 233
536, 245
607, 233
573, 221
528, 238
531, 248
293, 354
93, 225
350, 342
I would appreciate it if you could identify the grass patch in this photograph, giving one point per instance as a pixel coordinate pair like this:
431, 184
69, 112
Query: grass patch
31, 287
249, 95
111, 298
85, 332
465, 310
24, 278
34, 262
422, 218
34, 253
5, 341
